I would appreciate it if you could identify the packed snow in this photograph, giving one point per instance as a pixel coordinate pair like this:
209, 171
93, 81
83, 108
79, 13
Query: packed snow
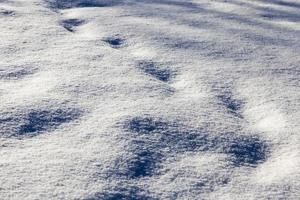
149, 99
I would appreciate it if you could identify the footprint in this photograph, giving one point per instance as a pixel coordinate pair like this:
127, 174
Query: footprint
143, 162
144, 125
151, 137
128, 193
71, 24
153, 69
232, 105
106, 3
42, 120
248, 151
114, 42
153, 141
15, 73
166, 134
6, 12
156, 135
66, 4
35, 121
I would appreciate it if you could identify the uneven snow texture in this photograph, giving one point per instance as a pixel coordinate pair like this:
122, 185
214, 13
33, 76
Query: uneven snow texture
149, 99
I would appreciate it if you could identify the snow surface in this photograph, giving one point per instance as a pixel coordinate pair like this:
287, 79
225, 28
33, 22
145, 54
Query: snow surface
149, 99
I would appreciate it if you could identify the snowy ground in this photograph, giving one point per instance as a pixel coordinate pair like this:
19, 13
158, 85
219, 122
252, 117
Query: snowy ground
149, 99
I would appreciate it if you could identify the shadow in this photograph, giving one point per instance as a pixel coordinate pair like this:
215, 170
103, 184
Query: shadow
228, 17
182, 4
207, 48
272, 13
264, 40
189, 44
282, 3
295, 71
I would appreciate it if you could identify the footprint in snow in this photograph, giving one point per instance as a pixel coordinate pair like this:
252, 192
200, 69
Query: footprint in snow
152, 137
35, 121
66, 4
71, 24
114, 42
153, 69
15, 73
154, 140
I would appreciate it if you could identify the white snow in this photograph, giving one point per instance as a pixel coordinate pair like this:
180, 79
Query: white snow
149, 99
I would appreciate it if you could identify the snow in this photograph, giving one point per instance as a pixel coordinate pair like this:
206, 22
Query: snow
149, 99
